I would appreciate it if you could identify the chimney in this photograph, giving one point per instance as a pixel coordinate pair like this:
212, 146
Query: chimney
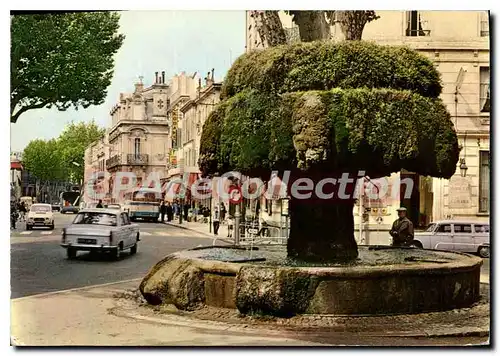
163, 77
213, 74
156, 77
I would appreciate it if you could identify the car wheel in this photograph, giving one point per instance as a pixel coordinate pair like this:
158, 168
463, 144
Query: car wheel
71, 253
133, 249
484, 251
28, 227
52, 227
416, 244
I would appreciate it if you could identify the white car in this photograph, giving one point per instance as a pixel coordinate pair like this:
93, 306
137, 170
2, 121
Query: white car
103, 230
455, 235
40, 215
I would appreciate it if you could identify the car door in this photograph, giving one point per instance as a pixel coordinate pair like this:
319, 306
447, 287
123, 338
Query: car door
128, 231
481, 235
462, 237
443, 237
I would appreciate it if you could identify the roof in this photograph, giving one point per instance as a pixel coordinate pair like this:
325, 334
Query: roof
100, 210
460, 222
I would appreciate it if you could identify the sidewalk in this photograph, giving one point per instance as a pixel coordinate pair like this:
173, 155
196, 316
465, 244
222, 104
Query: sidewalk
94, 317
203, 228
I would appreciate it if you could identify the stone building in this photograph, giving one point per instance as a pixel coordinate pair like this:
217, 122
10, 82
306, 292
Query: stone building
95, 158
194, 113
458, 43
181, 88
138, 137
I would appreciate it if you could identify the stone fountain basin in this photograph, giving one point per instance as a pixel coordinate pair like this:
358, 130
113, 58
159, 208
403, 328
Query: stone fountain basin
383, 280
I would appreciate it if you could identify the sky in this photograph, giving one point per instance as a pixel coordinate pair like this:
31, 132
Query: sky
155, 41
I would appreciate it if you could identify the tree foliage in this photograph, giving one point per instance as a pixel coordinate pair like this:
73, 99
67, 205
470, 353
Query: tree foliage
62, 59
72, 144
331, 107
53, 159
41, 158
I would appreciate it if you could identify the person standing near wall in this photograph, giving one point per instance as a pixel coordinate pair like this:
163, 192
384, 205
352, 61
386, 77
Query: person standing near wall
215, 219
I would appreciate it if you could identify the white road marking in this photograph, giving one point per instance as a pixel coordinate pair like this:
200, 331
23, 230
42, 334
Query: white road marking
46, 232
26, 232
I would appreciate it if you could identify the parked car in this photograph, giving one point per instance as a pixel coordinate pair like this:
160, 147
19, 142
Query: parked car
101, 230
69, 209
56, 207
454, 235
40, 215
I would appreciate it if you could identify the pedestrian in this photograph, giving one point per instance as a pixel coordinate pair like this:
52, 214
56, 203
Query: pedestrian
215, 219
402, 229
186, 211
13, 215
99, 204
22, 211
170, 212
163, 210
176, 208
222, 213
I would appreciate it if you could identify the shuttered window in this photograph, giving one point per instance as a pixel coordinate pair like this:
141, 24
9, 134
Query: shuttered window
484, 182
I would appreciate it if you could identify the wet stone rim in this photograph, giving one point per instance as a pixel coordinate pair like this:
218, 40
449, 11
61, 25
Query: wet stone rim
190, 282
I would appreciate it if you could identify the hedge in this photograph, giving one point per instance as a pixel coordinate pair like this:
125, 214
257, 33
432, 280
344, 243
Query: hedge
327, 65
340, 130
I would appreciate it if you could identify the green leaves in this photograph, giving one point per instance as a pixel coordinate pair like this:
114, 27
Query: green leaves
327, 65
62, 59
53, 159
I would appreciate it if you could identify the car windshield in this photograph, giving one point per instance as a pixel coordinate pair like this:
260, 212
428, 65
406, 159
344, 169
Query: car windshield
92, 218
41, 209
430, 228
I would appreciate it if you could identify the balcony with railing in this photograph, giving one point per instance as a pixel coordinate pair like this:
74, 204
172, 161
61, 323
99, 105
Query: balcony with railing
137, 159
113, 161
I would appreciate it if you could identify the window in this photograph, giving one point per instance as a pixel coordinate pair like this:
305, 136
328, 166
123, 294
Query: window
462, 228
485, 24
95, 219
137, 147
484, 90
431, 228
414, 24
481, 228
444, 228
124, 219
484, 181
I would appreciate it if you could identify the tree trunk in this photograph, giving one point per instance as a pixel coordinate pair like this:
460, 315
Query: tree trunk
269, 27
352, 23
312, 25
322, 230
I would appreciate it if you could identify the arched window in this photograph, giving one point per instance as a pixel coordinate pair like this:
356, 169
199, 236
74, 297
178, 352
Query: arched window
137, 147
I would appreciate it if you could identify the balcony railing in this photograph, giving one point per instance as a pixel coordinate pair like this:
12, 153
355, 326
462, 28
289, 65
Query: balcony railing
113, 161
137, 159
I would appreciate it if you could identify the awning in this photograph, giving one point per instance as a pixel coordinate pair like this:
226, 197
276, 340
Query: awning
16, 165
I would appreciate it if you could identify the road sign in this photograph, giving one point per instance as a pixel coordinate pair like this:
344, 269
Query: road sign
235, 196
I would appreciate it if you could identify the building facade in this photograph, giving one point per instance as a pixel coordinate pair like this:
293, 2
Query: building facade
458, 43
95, 159
138, 137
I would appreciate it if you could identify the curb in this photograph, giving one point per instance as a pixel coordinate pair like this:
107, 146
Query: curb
252, 329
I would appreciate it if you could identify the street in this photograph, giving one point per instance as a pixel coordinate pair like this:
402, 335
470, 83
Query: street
39, 264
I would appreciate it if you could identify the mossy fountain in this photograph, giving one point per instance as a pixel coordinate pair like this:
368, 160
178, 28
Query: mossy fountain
322, 109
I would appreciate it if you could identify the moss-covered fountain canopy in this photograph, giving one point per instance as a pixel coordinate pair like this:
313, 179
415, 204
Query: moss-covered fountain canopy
331, 107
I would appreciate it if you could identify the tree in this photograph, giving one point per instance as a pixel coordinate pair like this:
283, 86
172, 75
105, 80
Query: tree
61, 60
41, 158
322, 109
352, 23
72, 144
313, 25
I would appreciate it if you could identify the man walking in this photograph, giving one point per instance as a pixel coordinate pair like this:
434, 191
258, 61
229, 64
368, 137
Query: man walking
13, 215
99, 205
163, 210
215, 219
186, 211
402, 229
